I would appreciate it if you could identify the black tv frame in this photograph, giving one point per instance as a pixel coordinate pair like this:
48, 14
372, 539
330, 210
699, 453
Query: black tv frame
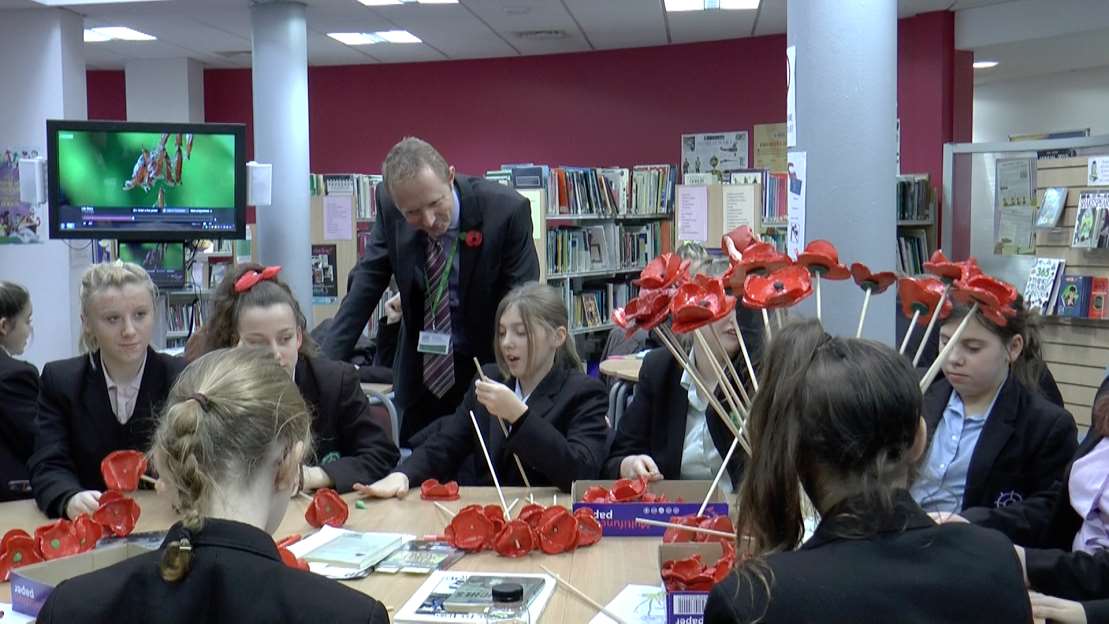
54, 126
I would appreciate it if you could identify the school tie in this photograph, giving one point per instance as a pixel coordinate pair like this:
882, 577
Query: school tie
438, 369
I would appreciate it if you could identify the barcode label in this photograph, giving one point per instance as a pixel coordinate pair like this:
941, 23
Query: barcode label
689, 604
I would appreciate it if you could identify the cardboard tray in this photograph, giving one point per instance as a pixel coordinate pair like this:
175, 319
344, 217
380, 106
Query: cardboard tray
687, 607
31, 585
618, 519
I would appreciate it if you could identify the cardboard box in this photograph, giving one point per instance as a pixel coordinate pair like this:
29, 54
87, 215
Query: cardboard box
618, 519
31, 585
687, 607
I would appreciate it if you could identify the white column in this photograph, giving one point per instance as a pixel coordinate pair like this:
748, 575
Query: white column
165, 90
846, 106
280, 83
42, 60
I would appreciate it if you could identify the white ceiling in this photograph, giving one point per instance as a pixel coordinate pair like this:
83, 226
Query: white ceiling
217, 32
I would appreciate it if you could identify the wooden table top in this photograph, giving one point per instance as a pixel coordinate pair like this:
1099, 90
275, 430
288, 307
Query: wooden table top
601, 570
626, 368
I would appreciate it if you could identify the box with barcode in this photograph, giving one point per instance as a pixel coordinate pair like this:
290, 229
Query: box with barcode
687, 607
681, 498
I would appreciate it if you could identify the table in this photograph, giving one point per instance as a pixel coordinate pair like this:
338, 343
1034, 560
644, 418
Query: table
382, 394
601, 570
626, 372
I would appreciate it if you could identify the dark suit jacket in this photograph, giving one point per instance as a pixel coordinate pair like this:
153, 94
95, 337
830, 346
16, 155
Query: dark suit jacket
350, 445
19, 395
910, 571
236, 577
505, 258
559, 439
77, 427
1023, 449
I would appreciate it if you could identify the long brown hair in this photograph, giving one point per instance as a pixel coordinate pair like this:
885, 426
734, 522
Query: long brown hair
540, 306
1029, 366
222, 329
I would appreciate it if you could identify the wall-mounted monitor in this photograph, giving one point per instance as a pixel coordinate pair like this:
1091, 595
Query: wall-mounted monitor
146, 181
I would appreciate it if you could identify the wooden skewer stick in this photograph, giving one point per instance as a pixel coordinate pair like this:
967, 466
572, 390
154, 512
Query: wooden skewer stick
719, 473
746, 355
580, 594
149, 479
492, 470
504, 430
862, 317
934, 369
816, 278
781, 316
513, 504
766, 322
729, 393
443, 508
305, 496
931, 325
909, 332
687, 367
731, 368
671, 525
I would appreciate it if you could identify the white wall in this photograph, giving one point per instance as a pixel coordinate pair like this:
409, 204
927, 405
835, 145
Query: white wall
1064, 101
42, 62
165, 90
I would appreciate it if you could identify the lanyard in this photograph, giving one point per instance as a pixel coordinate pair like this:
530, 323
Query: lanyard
445, 277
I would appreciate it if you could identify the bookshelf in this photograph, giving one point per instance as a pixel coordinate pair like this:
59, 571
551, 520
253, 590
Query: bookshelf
916, 222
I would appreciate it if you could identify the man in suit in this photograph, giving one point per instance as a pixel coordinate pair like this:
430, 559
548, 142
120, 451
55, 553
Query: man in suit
456, 245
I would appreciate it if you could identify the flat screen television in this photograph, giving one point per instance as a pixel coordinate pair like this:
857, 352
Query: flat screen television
164, 262
146, 181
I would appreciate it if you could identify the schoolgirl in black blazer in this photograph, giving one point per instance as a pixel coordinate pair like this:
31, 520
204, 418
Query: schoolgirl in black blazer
77, 427
19, 393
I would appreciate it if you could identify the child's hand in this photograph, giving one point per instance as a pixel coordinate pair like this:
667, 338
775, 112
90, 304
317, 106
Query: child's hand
500, 400
1056, 609
87, 501
393, 485
634, 466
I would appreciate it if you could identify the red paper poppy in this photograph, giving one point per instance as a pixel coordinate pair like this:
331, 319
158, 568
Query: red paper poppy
716, 523
969, 268
531, 514
515, 539
123, 469
289, 540
762, 258
589, 530
664, 271
780, 289
558, 533
11, 535
473, 238
675, 535
88, 532
986, 291
57, 539
876, 283
741, 239
922, 294
620, 319
16, 553
676, 573
651, 497
247, 280
627, 490
595, 494
117, 513
327, 507
470, 530
699, 303
650, 308
433, 490
291, 560
820, 256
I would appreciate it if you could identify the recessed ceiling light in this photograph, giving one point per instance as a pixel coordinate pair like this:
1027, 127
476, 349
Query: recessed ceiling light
438, 1
398, 36
397, 2
379, 2
685, 5
741, 5
984, 64
76, 2
384, 36
354, 39
116, 33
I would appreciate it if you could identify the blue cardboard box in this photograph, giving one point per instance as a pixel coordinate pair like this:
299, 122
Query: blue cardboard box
31, 585
618, 519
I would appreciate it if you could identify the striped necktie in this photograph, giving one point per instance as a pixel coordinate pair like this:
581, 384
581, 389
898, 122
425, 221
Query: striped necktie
438, 369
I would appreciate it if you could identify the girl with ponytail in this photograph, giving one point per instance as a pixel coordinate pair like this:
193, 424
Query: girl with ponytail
840, 418
228, 448
19, 392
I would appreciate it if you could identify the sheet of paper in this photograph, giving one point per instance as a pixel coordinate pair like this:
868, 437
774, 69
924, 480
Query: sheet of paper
693, 213
1014, 228
798, 183
636, 604
740, 206
14, 617
338, 218
321, 537
770, 147
791, 96
535, 198
1098, 171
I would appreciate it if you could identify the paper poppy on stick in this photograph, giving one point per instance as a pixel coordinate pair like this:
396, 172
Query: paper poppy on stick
781, 289
515, 539
699, 303
820, 256
876, 283
762, 258
118, 513
327, 507
470, 529
664, 271
922, 294
741, 238
985, 290
558, 532
123, 469
625, 490
433, 490
533, 513
650, 308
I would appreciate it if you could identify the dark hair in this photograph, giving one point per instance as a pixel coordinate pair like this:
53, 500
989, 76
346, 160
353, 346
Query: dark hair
839, 417
13, 299
1099, 414
408, 158
221, 330
1028, 368
539, 305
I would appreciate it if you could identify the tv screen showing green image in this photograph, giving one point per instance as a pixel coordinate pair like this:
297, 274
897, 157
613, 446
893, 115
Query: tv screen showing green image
164, 262
146, 181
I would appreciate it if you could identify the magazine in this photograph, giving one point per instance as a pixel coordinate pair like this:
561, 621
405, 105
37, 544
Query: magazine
420, 557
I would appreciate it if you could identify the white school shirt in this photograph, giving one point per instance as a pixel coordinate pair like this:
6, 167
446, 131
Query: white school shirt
700, 459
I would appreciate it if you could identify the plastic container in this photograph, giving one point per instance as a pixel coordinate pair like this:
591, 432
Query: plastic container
508, 605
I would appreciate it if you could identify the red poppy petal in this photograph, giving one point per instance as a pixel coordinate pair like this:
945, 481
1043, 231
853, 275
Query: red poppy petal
327, 507
123, 469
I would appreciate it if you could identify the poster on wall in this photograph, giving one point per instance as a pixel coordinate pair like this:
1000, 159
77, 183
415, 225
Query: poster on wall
1098, 171
791, 96
798, 181
1014, 206
770, 147
325, 288
718, 153
20, 222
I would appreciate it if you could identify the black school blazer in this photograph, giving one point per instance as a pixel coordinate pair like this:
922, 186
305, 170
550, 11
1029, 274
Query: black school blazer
350, 446
559, 439
1023, 449
236, 576
654, 422
77, 427
19, 395
911, 571
504, 258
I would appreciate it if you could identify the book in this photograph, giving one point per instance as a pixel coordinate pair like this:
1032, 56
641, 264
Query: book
1090, 218
420, 557
1051, 207
1099, 298
342, 554
1074, 296
428, 603
1042, 286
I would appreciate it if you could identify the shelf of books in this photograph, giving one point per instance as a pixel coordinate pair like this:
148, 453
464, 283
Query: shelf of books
1069, 280
916, 231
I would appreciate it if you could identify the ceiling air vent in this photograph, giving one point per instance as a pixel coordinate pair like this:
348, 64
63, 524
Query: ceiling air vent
540, 35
